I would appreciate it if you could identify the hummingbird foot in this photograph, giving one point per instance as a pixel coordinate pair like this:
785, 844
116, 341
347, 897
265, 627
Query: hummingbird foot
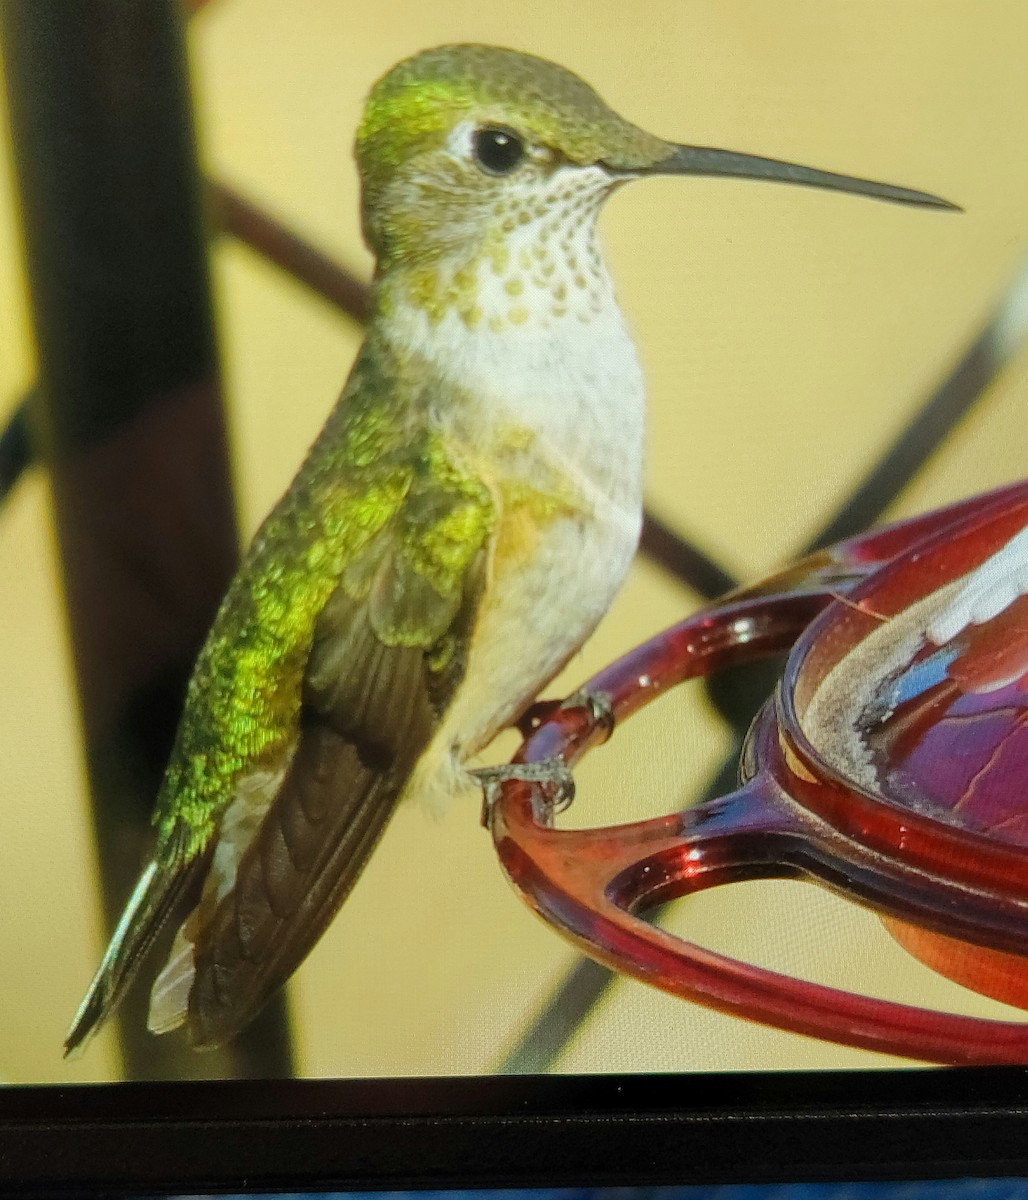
599, 706
555, 794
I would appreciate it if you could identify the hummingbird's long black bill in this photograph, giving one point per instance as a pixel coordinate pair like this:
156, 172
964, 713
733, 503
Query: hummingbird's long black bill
708, 160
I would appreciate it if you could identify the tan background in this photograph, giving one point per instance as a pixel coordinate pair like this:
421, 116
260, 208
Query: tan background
786, 336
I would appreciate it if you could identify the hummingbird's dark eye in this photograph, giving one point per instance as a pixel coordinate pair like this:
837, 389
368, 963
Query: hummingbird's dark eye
497, 151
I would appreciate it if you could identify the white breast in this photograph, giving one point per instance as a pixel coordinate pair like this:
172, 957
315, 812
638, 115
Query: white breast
571, 378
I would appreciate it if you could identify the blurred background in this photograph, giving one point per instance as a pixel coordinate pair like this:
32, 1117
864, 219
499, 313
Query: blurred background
788, 338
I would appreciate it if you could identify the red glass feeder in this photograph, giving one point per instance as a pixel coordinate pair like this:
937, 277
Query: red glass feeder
929, 829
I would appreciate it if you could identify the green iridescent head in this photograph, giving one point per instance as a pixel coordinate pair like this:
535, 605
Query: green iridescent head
448, 134
453, 136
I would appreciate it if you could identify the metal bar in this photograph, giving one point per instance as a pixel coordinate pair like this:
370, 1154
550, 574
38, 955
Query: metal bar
127, 414
235, 215
15, 450
905, 458
683, 559
738, 697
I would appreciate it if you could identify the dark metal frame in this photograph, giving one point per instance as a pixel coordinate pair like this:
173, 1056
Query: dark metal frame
127, 415
543, 1131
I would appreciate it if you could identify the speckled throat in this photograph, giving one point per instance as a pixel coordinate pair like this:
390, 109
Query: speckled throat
524, 323
534, 262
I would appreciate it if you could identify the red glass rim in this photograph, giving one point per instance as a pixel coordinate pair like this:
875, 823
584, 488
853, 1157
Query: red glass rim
876, 819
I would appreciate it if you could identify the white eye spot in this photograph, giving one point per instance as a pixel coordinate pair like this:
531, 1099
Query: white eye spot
459, 143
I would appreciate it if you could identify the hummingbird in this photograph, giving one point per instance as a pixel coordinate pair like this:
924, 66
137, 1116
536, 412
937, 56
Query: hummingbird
456, 532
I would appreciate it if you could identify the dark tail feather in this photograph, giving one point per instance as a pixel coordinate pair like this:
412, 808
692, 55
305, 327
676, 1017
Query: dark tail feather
310, 852
154, 897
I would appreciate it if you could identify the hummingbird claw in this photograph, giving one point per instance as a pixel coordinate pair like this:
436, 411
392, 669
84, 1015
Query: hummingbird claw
555, 794
599, 705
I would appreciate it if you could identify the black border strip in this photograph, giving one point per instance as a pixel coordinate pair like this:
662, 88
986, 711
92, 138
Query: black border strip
531, 1131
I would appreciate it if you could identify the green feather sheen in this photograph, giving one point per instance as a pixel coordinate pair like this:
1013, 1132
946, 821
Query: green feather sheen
377, 480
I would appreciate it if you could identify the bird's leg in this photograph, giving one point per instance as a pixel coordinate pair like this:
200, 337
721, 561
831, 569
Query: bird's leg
558, 784
553, 774
598, 704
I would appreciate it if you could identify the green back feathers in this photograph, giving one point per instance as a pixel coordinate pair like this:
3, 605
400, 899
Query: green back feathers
378, 512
